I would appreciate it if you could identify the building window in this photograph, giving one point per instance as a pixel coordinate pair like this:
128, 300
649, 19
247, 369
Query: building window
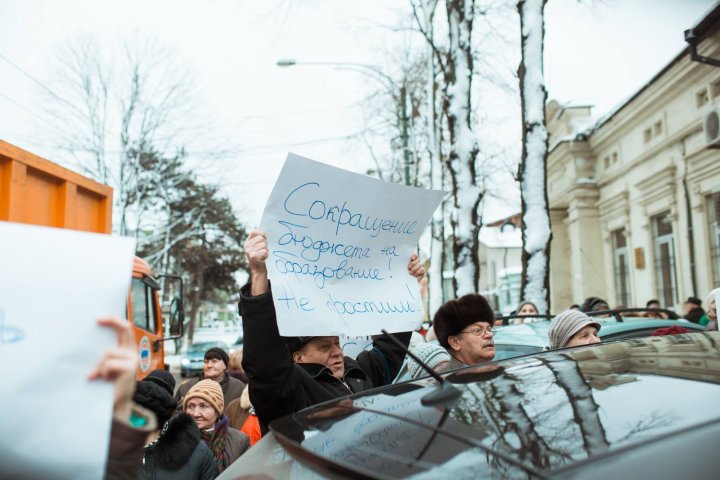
647, 135
665, 279
621, 263
701, 98
714, 222
658, 127
715, 88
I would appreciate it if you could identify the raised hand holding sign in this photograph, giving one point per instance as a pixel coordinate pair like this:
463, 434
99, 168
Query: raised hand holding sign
338, 246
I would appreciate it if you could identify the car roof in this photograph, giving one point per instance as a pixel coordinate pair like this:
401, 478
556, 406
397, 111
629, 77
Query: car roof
207, 345
536, 333
528, 416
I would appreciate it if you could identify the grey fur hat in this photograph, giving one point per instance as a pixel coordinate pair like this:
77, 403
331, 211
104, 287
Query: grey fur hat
567, 324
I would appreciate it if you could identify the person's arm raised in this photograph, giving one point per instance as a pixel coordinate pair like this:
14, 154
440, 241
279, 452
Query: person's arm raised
256, 249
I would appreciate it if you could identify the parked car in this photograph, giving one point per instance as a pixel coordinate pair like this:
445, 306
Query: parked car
639, 408
191, 364
521, 339
237, 345
512, 340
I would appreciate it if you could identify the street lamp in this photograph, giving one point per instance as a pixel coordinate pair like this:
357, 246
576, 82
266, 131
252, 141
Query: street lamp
380, 76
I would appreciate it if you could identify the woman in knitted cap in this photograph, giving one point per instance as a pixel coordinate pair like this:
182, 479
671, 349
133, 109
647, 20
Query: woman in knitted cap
525, 308
175, 450
572, 328
205, 403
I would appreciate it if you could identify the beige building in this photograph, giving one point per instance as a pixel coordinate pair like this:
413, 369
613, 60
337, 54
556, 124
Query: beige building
635, 197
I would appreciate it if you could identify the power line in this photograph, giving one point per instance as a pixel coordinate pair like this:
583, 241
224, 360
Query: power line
38, 82
27, 110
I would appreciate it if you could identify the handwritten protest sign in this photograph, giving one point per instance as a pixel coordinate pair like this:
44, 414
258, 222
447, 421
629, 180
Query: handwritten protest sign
339, 246
54, 284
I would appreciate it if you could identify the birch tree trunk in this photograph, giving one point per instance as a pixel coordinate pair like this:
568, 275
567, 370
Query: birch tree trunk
424, 12
465, 218
536, 231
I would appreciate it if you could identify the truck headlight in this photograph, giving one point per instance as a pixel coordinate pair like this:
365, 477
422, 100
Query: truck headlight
184, 361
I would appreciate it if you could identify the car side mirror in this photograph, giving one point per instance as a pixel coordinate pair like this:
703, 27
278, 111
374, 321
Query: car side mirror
177, 317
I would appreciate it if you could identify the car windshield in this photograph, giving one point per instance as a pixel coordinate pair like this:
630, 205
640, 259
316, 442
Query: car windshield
203, 347
520, 418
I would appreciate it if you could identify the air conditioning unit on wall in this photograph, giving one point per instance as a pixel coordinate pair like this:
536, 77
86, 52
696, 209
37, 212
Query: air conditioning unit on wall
711, 126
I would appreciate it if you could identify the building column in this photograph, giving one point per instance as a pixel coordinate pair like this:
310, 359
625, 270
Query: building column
561, 278
587, 272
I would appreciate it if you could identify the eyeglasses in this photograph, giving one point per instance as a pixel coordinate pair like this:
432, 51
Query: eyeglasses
480, 331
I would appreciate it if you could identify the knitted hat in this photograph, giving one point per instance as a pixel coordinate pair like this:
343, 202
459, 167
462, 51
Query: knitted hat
155, 398
593, 304
432, 353
456, 315
567, 324
208, 390
219, 353
162, 378
296, 343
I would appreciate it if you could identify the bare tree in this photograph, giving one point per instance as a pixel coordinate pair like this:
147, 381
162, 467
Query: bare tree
424, 15
532, 176
111, 114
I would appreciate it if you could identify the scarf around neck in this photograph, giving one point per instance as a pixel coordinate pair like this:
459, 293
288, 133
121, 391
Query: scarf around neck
216, 439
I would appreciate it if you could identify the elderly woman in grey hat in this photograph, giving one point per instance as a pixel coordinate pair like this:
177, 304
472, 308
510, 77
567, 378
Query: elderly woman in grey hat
572, 328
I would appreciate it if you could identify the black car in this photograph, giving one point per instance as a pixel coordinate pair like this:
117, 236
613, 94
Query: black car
640, 408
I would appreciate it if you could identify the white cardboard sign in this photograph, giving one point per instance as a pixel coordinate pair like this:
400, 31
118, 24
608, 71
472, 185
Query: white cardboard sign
54, 284
339, 247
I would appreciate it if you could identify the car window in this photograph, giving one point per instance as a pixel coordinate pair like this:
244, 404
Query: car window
140, 308
503, 351
200, 347
645, 332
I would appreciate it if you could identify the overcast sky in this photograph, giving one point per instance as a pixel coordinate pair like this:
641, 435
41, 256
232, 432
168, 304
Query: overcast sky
596, 52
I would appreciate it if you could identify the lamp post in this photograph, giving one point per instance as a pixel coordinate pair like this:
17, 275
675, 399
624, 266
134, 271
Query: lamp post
383, 78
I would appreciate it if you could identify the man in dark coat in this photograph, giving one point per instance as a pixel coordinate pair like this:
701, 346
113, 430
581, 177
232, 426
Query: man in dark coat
287, 376
693, 309
216, 364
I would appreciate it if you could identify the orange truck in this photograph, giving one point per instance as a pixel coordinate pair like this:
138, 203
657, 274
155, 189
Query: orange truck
36, 191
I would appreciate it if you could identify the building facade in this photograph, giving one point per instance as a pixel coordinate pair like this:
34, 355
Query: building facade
635, 198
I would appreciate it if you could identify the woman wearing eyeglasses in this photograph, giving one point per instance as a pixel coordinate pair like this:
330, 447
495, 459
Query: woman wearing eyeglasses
205, 404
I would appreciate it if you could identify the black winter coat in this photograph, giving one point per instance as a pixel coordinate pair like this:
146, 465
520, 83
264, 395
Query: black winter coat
279, 386
179, 453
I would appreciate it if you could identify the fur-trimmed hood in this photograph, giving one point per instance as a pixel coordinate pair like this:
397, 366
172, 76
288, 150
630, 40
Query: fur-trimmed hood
176, 445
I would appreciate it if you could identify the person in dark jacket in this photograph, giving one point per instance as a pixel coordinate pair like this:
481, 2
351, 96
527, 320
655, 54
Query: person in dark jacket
162, 378
693, 309
175, 449
287, 377
594, 304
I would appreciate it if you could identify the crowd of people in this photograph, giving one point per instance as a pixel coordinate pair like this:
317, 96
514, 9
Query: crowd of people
201, 427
